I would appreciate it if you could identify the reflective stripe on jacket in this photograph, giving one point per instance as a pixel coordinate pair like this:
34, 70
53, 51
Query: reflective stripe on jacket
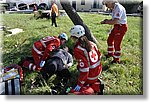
89, 63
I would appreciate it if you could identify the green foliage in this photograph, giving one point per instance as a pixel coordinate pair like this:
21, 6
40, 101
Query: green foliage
124, 78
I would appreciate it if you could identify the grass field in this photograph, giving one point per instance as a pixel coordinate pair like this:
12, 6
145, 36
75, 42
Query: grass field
120, 79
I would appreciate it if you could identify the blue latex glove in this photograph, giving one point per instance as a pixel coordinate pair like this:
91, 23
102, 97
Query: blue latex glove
42, 64
77, 88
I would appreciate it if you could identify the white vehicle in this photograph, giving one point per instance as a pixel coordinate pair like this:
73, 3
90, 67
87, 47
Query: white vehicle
14, 9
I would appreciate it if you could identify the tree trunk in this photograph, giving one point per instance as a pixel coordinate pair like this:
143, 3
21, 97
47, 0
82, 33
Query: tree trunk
71, 12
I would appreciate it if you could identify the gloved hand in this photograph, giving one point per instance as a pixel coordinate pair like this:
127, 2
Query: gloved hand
104, 21
42, 64
77, 88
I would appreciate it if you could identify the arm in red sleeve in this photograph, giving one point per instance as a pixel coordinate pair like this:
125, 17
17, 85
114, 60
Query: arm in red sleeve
82, 66
47, 51
53, 45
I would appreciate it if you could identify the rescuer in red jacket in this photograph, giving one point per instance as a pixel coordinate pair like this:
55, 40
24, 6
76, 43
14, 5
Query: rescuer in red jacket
119, 21
41, 51
89, 65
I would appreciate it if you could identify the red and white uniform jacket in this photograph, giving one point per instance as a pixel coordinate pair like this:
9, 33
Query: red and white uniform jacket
89, 64
44, 46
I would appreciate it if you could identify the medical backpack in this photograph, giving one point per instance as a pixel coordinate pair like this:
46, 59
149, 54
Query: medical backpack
11, 79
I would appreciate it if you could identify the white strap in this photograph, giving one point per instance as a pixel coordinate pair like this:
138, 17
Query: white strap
30, 66
37, 51
34, 67
43, 43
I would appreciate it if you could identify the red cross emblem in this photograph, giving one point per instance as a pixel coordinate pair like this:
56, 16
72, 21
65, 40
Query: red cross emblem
93, 56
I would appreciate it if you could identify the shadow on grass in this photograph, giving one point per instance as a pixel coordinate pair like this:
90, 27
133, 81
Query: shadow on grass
42, 27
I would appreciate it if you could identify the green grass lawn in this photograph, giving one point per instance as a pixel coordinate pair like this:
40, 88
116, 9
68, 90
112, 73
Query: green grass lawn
120, 79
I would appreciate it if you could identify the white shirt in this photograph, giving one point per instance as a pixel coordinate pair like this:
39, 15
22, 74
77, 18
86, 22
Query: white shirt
120, 13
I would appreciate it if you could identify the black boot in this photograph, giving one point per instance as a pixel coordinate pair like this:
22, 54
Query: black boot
115, 62
107, 56
101, 87
53, 92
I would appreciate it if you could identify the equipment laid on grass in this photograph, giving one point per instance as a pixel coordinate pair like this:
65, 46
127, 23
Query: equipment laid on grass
11, 78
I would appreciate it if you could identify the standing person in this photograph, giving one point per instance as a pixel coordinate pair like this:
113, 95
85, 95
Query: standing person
35, 9
54, 13
41, 51
88, 57
119, 20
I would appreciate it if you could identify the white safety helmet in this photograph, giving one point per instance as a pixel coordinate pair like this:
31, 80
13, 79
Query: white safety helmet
77, 31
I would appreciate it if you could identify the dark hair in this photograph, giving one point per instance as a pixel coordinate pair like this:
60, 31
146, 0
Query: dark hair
85, 43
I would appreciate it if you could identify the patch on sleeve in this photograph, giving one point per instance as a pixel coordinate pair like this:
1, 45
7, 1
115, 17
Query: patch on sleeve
53, 47
81, 64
